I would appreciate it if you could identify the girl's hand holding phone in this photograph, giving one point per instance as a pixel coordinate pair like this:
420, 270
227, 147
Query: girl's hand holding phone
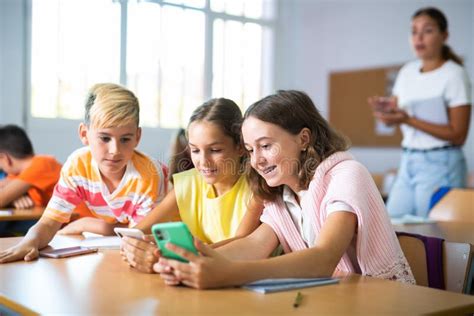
141, 254
202, 271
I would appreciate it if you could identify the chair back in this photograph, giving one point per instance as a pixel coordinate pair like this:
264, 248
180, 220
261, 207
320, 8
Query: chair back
414, 250
453, 265
457, 258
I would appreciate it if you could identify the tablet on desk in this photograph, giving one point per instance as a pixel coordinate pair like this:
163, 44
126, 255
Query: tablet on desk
66, 252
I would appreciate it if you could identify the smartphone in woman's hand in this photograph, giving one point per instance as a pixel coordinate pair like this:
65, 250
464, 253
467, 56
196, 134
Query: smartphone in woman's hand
384, 105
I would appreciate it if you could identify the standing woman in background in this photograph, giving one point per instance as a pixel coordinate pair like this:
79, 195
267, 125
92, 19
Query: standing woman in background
432, 105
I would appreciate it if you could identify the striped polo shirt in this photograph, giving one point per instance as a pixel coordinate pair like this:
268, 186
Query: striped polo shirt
144, 184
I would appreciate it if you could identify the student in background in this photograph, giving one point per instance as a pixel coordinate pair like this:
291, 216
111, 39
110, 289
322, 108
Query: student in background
214, 198
321, 205
31, 178
180, 156
119, 184
432, 105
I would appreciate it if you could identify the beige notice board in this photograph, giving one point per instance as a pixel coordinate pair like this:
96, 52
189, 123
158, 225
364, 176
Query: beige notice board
349, 111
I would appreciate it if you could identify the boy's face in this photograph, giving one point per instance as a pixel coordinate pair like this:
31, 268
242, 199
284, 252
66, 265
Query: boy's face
3, 161
112, 148
6, 164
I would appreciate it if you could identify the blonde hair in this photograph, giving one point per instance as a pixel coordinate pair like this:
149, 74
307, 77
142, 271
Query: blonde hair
111, 105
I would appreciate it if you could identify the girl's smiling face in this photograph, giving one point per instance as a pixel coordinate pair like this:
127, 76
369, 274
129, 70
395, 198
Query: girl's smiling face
274, 152
214, 154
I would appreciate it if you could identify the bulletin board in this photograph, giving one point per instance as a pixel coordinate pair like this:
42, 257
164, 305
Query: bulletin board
349, 111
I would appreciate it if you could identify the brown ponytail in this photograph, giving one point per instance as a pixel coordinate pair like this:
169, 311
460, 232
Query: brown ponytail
440, 19
448, 54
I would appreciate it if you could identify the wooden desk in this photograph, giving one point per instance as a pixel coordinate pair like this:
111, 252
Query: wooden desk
456, 205
449, 231
12, 214
103, 284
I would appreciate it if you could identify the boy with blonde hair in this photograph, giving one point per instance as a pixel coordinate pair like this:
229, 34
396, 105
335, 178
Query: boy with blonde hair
118, 184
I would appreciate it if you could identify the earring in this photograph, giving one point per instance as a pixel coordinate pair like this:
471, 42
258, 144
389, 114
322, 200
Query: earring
303, 150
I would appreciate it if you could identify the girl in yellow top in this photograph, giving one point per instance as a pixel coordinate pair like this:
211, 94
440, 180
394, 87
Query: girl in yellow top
213, 199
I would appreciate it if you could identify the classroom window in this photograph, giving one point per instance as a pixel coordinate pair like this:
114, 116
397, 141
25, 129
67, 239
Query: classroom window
173, 54
74, 45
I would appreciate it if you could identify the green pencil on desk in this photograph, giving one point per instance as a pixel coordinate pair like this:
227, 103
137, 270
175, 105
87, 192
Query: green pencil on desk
298, 299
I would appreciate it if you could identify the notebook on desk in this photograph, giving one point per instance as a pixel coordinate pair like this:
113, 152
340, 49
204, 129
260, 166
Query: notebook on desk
101, 242
278, 285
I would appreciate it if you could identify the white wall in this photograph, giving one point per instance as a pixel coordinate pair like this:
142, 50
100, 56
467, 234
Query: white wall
321, 36
314, 38
12, 59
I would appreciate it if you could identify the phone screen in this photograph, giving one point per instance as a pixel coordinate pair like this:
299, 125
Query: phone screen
66, 252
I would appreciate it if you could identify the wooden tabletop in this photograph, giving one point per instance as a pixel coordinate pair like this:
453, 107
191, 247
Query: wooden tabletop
12, 214
450, 231
102, 283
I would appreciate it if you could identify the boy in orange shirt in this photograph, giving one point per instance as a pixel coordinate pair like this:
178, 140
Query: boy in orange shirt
31, 178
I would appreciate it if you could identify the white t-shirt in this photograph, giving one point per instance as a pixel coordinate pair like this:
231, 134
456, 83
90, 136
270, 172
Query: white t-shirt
427, 96
304, 226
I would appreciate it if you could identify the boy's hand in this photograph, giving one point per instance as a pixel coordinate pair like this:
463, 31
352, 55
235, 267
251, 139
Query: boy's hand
23, 202
141, 254
24, 250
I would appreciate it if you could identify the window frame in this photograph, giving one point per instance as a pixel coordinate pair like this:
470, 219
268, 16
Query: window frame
267, 62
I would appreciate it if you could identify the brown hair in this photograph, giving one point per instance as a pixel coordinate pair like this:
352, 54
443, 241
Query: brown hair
447, 53
15, 142
222, 112
293, 110
180, 156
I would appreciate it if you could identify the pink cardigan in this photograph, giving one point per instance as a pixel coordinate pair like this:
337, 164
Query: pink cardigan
341, 178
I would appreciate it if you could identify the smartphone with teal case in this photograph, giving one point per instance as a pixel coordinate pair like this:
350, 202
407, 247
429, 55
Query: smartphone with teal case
176, 233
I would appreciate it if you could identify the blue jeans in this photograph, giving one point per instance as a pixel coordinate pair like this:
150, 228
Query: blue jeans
420, 175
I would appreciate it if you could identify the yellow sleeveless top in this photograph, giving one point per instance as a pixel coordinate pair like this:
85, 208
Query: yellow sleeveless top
210, 218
